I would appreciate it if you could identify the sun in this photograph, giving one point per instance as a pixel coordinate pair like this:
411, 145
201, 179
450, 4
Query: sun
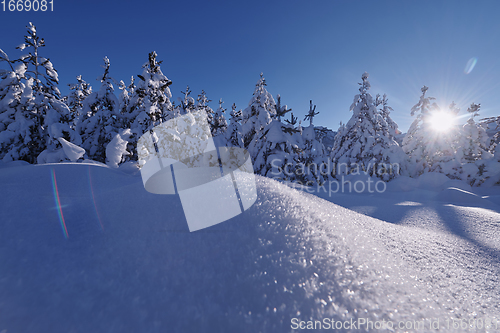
441, 121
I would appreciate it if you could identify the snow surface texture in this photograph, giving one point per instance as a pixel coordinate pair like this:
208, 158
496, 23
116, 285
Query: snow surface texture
130, 264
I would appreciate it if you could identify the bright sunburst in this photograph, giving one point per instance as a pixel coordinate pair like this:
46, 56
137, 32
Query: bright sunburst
441, 121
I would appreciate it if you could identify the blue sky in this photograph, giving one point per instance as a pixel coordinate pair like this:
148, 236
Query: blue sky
306, 49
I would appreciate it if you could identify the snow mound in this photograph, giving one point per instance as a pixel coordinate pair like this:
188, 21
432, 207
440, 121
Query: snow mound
432, 181
402, 184
129, 262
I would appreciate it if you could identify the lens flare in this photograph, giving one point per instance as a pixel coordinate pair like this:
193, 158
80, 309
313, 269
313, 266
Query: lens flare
470, 65
93, 200
58, 204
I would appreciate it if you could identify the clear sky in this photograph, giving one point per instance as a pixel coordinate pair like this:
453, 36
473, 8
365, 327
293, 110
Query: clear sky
306, 49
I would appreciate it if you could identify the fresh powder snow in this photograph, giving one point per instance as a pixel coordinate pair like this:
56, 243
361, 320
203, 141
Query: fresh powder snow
84, 248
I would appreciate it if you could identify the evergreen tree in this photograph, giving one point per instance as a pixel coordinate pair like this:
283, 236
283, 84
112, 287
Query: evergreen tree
34, 116
417, 138
233, 133
79, 91
292, 121
489, 170
385, 110
259, 113
314, 154
187, 103
475, 142
220, 123
365, 143
12, 87
311, 114
202, 105
126, 117
99, 125
281, 111
473, 149
150, 103
276, 150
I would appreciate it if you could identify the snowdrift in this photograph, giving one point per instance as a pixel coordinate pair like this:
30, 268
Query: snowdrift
84, 248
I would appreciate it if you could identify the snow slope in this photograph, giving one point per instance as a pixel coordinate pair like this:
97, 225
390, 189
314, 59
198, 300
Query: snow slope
129, 263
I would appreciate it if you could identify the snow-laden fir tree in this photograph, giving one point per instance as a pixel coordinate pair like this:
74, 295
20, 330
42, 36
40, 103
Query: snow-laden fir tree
219, 122
293, 120
123, 99
416, 139
259, 113
35, 118
385, 110
78, 92
475, 142
311, 114
101, 111
276, 150
126, 118
187, 104
489, 170
202, 105
281, 110
313, 155
365, 145
150, 102
233, 133
473, 149
12, 86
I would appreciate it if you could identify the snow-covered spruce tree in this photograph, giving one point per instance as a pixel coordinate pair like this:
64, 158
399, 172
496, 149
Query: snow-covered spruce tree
259, 113
99, 124
365, 145
474, 140
492, 127
292, 121
311, 114
78, 92
276, 150
490, 170
473, 149
39, 131
417, 138
313, 154
281, 110
220, 123
202, 105
385, 110
233, 132
150, 103
126, 92
12, 86
187, 104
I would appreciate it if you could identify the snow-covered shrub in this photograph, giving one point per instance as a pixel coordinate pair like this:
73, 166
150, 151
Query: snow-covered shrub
117, 150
